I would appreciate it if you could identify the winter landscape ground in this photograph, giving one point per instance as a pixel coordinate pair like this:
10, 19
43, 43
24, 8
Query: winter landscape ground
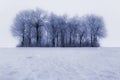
60, 64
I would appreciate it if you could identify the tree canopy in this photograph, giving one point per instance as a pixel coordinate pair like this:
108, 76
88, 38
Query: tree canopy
37, 28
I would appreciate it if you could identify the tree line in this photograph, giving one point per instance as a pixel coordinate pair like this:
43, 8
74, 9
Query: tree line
37, 28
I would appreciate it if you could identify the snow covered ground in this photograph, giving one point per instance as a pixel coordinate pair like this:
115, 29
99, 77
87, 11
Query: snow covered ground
60, 64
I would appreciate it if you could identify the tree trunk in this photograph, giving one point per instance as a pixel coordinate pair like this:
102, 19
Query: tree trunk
70, 41
91, 40
22, 42
81, 37
37, 34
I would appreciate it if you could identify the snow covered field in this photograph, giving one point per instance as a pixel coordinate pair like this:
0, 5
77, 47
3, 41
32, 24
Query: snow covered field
60, 64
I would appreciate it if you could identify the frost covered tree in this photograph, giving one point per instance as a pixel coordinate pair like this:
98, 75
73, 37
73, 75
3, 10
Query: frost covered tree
38, 17
36, 28
96, 29
55, 24
57, 28
82, 32
53, 29
27, 27
77, 30
63, 31
71, 28
21, 28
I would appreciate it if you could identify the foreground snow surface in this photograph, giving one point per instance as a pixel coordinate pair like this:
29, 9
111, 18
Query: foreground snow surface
60, 64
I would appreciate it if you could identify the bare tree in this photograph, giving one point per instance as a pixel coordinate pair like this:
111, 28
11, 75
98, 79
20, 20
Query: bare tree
27, 27
21, 28
35, 28
97, 29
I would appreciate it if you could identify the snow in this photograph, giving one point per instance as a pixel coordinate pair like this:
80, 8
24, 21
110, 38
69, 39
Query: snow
60, 64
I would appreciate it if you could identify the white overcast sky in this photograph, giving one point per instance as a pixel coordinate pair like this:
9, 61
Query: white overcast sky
109, 9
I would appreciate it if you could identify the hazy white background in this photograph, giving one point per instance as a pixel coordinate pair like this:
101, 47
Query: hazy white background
109, 9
